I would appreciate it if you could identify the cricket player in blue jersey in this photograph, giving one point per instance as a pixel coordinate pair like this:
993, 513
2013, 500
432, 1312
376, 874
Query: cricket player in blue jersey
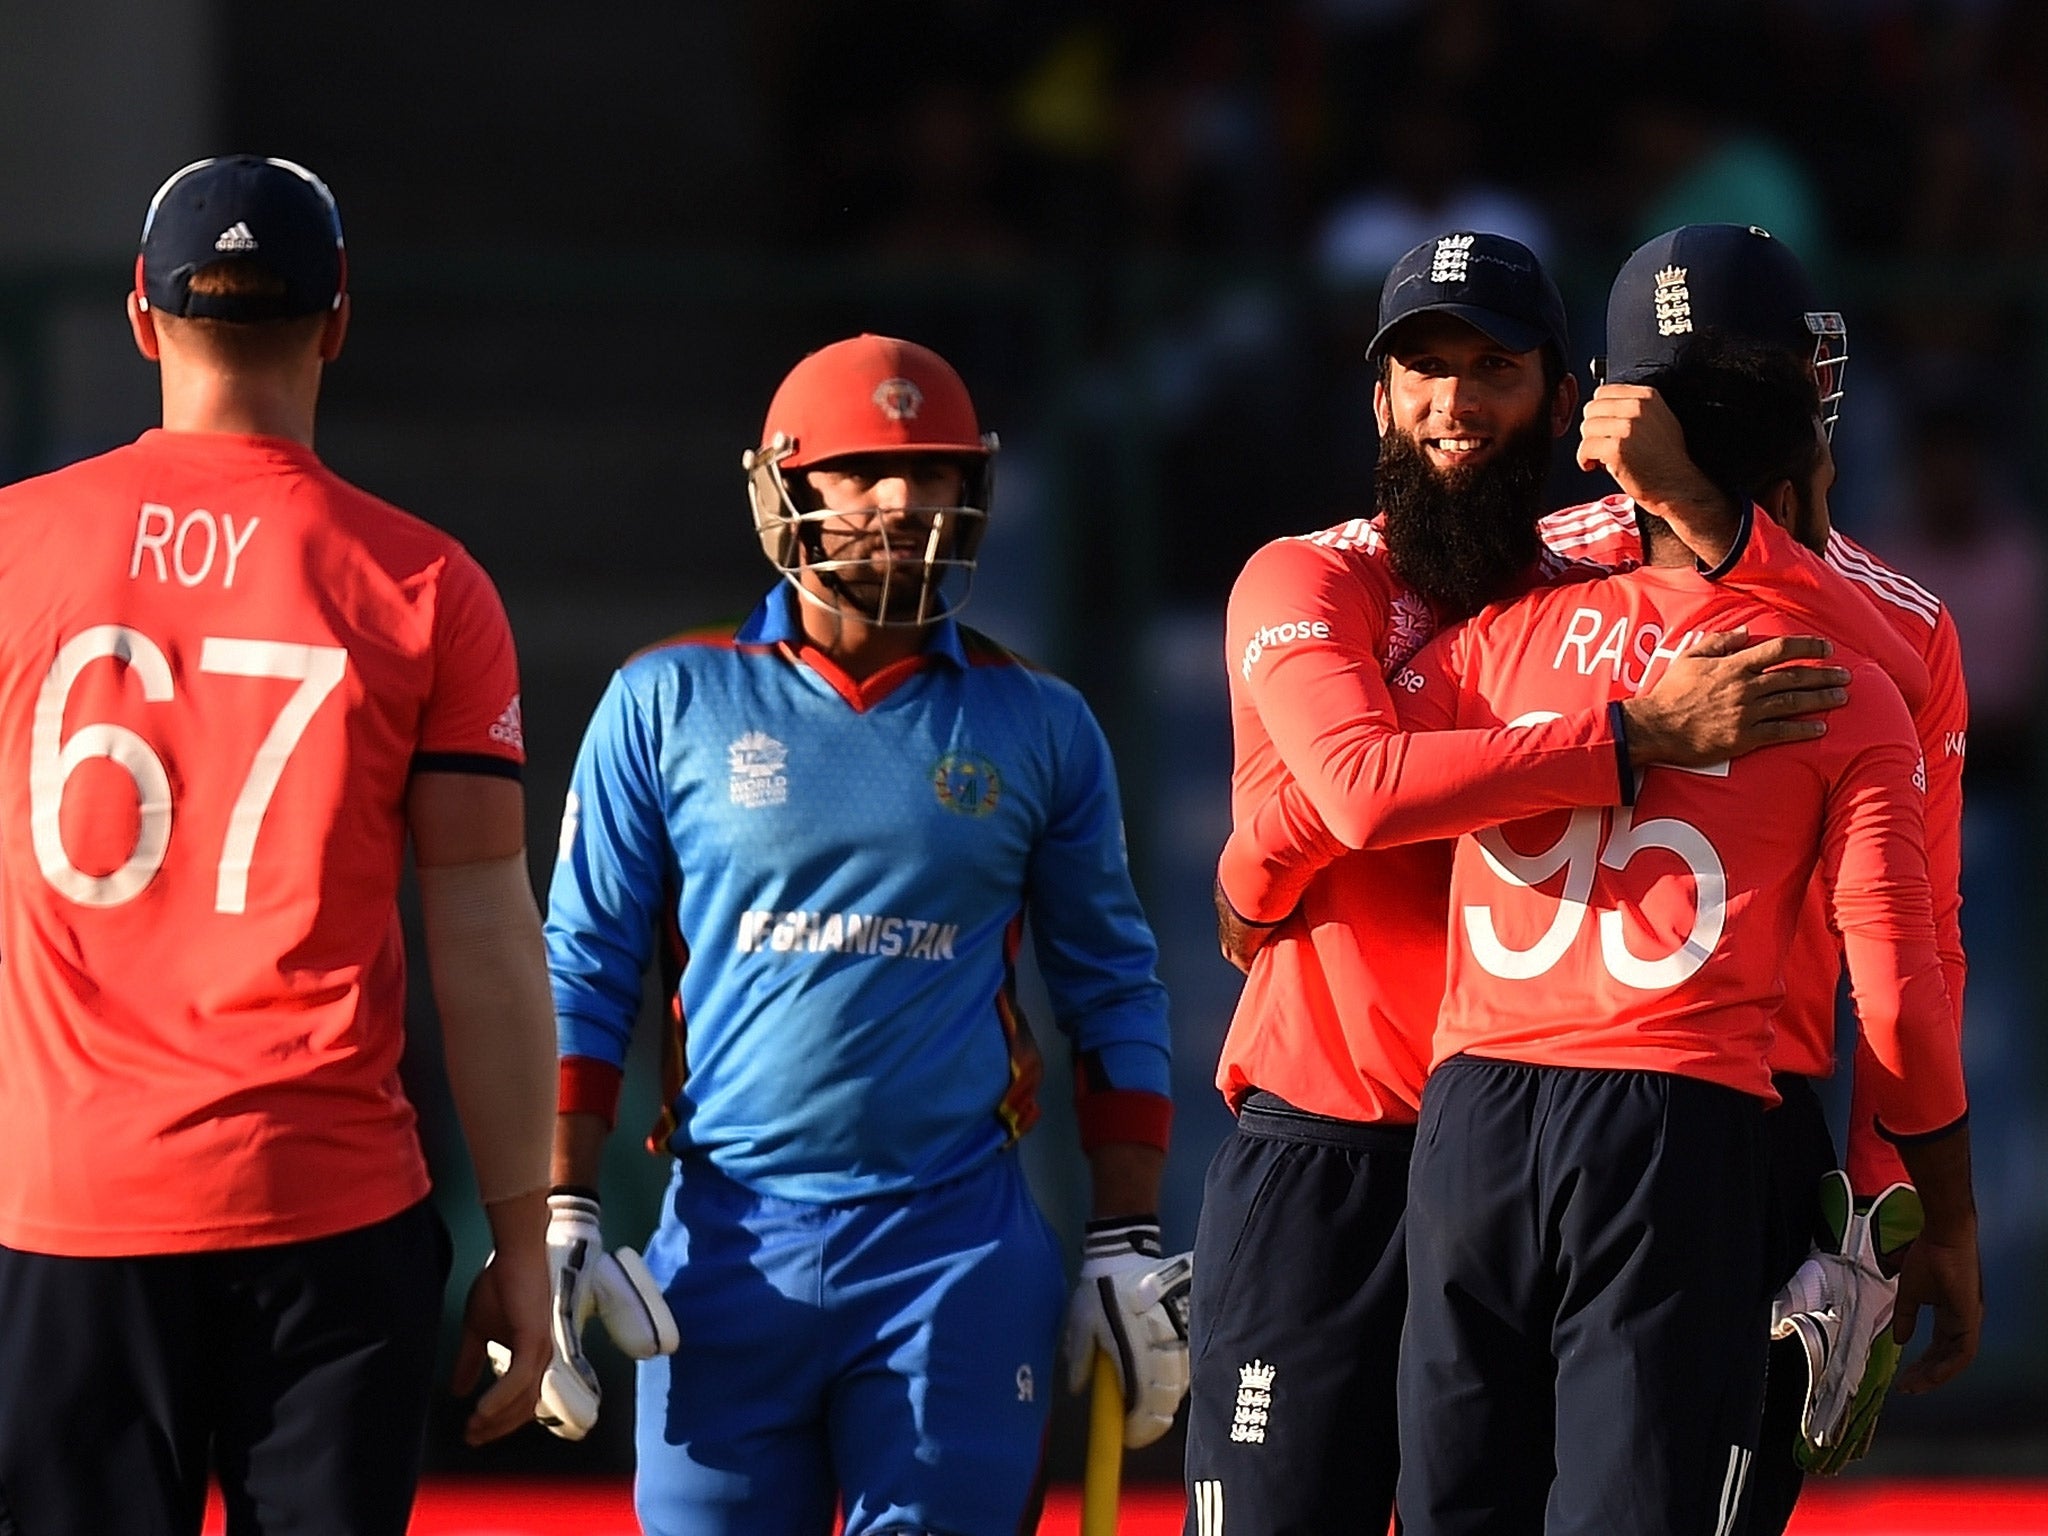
831, 828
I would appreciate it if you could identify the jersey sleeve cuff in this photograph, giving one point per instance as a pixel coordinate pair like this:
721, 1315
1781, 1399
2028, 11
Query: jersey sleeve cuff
1223, 896
590, 1087
1922, 1138
1124, 1115
1874, 1165
1617, 726
485, 763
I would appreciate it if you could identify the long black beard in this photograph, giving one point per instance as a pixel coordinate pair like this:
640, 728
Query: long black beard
1459, 537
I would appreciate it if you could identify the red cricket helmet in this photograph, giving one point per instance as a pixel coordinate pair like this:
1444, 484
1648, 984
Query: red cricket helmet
871, 394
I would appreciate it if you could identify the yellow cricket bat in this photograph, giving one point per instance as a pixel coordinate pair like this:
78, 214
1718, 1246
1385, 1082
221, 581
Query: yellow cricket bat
1105, 1469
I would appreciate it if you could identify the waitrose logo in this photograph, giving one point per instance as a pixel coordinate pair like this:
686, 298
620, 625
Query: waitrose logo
1280, 634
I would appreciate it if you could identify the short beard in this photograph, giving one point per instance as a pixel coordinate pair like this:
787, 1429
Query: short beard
1461, 536
906, 594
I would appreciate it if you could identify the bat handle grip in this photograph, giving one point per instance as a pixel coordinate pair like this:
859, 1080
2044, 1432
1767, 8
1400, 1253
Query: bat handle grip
1099, 1487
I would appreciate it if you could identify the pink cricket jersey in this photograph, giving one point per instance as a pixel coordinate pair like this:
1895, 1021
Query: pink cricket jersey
1605, 532
219, 666
1655, 936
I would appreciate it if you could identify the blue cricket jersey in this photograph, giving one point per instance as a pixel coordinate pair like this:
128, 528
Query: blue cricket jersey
841, 874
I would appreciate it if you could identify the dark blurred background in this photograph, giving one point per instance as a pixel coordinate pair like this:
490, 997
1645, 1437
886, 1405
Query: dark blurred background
585, 242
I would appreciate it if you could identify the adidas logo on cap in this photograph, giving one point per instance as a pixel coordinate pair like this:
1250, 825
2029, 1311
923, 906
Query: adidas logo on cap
236, 237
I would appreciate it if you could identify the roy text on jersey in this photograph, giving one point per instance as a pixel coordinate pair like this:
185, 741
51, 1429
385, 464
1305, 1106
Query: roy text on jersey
189, 549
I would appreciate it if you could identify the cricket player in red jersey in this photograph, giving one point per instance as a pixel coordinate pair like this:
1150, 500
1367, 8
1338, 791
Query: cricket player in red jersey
1299, 1286
1586, 1328
1738, 281
232, 687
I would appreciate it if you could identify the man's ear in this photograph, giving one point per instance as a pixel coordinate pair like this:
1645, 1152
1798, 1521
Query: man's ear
142, 326
1564, 405
1380, 412
1781, 501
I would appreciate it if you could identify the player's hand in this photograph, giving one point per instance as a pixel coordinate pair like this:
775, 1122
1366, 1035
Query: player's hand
1725, 697
1238, 937
585, 1279
1630, 432
1941, 1272
508, 1303
1133, 1306
1838, 1307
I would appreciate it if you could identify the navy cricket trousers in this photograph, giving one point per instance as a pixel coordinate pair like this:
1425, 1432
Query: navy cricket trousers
1300, 1285
1587, 1313
300, 1373
1801, 1151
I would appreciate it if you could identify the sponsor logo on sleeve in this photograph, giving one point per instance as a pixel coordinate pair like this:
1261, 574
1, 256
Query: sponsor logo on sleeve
1271, 636
507, 730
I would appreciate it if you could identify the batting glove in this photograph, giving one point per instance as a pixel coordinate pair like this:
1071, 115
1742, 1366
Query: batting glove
1838, 1306
1864, 1408
618, 1288
1133, 1306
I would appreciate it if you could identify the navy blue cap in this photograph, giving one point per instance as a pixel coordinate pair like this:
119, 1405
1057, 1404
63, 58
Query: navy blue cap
1488, 281
242, 207
1736, 278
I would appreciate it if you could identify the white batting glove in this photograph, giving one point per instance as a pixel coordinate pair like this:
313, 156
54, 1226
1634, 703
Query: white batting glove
1841, 1299
1133, 1306
618, 1288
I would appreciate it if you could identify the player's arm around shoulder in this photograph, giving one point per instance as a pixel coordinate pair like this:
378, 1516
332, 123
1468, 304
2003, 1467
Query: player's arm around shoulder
483, 947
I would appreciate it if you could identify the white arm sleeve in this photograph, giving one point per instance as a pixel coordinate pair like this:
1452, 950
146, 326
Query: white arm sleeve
497, 1017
